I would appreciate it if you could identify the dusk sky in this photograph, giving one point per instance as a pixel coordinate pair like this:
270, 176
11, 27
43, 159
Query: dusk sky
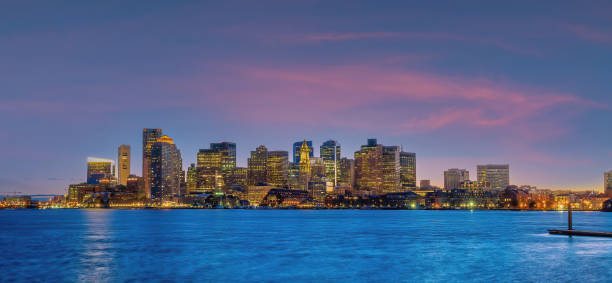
461, 83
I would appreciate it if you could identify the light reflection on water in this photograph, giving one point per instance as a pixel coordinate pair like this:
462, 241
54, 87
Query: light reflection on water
97, 251
293, 245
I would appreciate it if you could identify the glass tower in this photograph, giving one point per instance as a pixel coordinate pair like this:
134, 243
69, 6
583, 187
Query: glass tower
408, 170
149, 137
166, 169
330, 153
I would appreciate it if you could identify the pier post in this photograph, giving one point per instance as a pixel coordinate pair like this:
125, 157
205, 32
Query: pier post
569, 215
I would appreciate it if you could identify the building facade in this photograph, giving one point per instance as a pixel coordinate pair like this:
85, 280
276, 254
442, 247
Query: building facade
256, 167
123, 158
99, 170
368, 167
346, 176
297, 148
227, 152
408, 171
149, 137
497, 176
330, 153
608, 183
277, 168
390, 169
166, 168
305, 165
454, 177
218, 161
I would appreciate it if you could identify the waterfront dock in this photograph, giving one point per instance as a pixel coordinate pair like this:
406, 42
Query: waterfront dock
571, 232
579, 233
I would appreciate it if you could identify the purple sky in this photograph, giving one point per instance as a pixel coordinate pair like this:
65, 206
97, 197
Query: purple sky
460, 83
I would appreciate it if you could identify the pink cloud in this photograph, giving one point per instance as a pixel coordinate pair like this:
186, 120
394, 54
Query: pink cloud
590, 33
375, 35
338, 36
392, 100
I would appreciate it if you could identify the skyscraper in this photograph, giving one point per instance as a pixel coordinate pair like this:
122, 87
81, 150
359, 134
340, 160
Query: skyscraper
608, 183
277, 168
408, 170
257, 166
330, 153
166, 168
293, 179
192, 179
209, 167
453, 178
149, 137
318, 171
390, 169
368, 167
99, 170
497, 176
346, 173
227, 151
297, 147
124, 163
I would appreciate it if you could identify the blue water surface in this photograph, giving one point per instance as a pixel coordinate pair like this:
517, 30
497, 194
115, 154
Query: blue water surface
300, 246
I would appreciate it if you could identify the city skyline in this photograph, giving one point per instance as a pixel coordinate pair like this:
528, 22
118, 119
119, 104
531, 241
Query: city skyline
379, 176
136, 169
460, 84
188, 159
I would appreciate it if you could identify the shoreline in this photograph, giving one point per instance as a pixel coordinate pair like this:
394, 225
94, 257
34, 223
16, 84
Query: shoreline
279, 208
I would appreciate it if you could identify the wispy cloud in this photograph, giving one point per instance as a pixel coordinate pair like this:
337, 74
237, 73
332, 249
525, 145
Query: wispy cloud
388, 35
590, 33
393, 100
332, 36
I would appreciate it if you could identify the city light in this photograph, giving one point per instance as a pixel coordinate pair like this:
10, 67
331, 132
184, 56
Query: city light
379, 176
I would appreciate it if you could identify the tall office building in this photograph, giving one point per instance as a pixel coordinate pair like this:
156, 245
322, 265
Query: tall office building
216, 162
192, 180
227, 151
99, 170
123, 159
377, 168
318, 172
390, 169
297, 148
238, 177
166, 168
293, 178
368, 167
608, 183
408, 170
346, 173
149, 137
257, 166
453, 178
497, 176
330, 153
277, 168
